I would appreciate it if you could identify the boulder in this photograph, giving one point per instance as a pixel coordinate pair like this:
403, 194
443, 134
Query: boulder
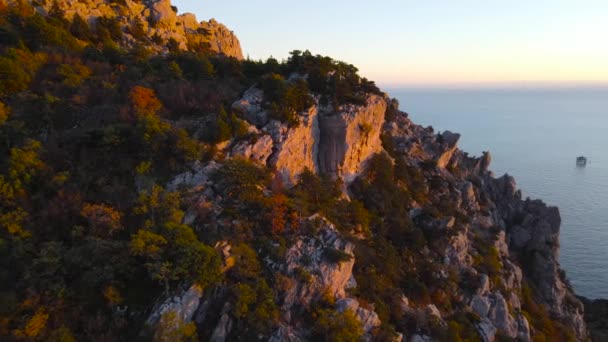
368, 318
250, 107
486, 330
501, 318
163, 14
222, 40
223, 327
195, 179
481, 305
308, 256
188, 21
448, 147
258, 150
184, 305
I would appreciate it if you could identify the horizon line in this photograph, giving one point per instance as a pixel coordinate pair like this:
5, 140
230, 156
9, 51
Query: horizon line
496, 85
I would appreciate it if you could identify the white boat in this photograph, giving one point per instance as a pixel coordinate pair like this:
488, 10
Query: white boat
581, 161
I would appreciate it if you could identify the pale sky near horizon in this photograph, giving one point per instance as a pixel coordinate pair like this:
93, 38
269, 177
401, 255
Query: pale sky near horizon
444, 43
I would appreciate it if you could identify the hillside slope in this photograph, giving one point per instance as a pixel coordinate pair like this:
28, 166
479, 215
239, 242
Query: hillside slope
153, 188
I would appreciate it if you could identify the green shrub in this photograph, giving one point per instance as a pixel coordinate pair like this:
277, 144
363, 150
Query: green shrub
331, 325
286, 100
80, 28
111, 25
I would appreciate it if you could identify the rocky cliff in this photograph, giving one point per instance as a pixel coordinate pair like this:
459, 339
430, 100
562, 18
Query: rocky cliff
502, 247
338, 143
152, 190
157, 19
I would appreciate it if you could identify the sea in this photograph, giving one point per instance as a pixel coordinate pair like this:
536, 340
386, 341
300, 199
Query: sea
535, 134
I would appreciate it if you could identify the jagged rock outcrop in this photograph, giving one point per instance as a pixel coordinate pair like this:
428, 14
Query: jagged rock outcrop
184, 306
494, 307
368, 318
195, 179
258, 148
501, 244
338, 143
448, 141
250, 107
320, 266
222, 329
525, 233
157, 18
311, 257
222, 39
533, 232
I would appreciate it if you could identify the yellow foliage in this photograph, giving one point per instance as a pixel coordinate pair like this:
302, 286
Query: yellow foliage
4, 113
143, 167
112, 295
172, 328
7, 192
102, 218
73, 74
24, 163
36, 324
147, 244
12, 221
159, 206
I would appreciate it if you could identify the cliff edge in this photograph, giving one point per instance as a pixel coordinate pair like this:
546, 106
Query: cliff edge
156, 22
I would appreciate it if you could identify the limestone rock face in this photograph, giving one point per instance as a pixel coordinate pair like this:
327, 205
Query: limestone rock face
250, 107
296, 147
162, 13
487, 330
167, 24
222, 39
349, 138
194, 179
314, 271
338, 143
183, 305
310, 256
224, 326
259, 150
533, 231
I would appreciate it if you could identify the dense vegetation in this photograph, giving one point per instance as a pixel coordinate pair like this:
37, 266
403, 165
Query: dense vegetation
90, 134
89, 138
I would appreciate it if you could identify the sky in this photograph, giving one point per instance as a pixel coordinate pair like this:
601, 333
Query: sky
429, 43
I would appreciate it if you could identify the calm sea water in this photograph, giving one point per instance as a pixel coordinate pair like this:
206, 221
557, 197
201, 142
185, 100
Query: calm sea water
536, 135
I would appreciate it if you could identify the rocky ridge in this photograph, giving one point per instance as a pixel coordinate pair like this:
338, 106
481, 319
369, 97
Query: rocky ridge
394, 234
158, 18
524, 233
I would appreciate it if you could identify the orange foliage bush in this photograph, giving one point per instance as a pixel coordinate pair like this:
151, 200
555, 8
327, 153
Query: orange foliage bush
103, 219
144, 102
